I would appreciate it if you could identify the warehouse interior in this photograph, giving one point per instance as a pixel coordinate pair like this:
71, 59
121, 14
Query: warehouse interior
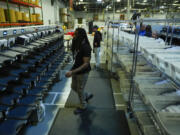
136, 89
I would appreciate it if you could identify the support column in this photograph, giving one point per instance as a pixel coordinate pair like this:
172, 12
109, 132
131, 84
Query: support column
128, 9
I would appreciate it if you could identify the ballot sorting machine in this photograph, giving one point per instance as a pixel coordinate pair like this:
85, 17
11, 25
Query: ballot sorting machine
30, 62
149, 78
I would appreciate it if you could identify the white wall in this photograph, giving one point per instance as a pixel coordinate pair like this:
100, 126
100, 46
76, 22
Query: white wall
51, 13
48, 12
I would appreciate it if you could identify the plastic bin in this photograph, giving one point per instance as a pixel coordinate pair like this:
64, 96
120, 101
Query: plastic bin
160, 102
170, 122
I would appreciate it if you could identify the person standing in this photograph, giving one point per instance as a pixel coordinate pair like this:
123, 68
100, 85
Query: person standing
97, 45
148, 31
81, 50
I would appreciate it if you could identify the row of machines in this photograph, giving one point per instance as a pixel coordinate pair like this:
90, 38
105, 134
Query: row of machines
29, 66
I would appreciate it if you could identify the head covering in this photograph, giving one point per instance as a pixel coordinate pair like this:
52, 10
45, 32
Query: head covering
95, 27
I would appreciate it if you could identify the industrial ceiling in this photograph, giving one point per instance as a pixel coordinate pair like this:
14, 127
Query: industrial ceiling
121, 5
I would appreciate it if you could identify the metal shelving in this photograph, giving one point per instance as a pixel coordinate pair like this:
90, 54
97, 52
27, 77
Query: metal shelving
145, 98
20, 24
24, 4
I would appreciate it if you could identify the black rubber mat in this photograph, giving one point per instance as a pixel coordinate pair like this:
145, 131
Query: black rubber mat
100, 88
91, 122
101, 118
98, 74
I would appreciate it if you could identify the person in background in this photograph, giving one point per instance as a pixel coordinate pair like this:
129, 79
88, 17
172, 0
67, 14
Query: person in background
142, 31
135, 16
82, 54
155, 35
148, 31
97, 45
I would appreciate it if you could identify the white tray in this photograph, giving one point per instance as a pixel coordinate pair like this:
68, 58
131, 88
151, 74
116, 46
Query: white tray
170, 122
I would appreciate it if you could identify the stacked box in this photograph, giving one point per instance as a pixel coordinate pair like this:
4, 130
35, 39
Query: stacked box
19, 17
25, 17
33, 2
38, 19
37, 2
2, 16
12, 15
33, 18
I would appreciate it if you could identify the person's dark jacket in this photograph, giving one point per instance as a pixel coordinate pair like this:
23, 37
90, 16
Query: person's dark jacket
85, 51
97, 39
148, 34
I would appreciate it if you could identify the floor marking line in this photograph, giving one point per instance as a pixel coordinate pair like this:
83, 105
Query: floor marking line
54, 98
118, 105
57, 93
53, 104
117, 93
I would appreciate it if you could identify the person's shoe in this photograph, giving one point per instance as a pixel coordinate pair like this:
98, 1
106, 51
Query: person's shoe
79, 110
90, 96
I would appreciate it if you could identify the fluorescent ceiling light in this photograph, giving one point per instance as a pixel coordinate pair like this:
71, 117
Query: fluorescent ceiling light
81, 0
162, 7
118, 0
175, 4
99, 0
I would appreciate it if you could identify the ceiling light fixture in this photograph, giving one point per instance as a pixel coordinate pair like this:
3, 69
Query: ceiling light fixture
162, 7
99, 0
81, 0
118, 0
175, 4
176, 1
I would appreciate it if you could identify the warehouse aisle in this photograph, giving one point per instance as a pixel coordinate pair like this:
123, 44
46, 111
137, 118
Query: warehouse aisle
101, 118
